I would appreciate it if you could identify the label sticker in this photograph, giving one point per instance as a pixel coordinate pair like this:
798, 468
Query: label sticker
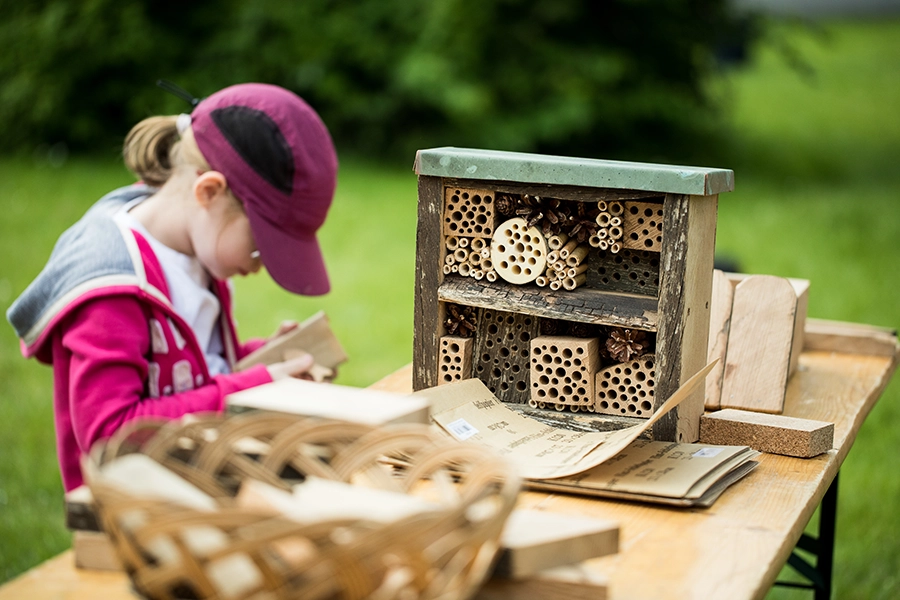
707, 452
461, 429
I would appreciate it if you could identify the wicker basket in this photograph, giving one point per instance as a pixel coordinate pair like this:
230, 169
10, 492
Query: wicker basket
445, 552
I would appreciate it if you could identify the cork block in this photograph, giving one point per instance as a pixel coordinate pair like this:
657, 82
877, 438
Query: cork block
456, 359
776, 434
562, 372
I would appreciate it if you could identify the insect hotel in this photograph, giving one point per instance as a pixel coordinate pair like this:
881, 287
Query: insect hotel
566, 284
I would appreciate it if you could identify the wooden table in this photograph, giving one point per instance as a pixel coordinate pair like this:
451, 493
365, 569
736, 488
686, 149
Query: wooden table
734, 549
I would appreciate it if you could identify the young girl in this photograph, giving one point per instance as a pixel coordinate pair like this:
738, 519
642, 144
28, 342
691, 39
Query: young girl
133, 309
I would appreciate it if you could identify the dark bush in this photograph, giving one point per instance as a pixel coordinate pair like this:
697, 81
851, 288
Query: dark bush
387, 76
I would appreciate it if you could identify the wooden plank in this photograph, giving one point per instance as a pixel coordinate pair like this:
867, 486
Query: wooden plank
314, 335
535, 540
852, 338
427, 313
776, 434
329, 401
719, 325
471, 163
759, 345
502, 353
581, 305
560, 192
688, 248
734, 550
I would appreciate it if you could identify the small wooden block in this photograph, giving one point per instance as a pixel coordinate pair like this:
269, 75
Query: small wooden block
456, 359
313, 335
627, 389
776, 434
562, 371
468, 212
81, 513
94, 550
757, 361
719, 326
643, 222
534, 540
330, 401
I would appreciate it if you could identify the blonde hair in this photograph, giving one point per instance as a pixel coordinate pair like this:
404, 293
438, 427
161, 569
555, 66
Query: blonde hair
153, 149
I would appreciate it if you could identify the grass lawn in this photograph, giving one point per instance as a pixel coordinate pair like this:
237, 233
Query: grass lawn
817, 197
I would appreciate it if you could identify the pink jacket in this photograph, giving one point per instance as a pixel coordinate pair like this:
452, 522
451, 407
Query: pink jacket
120, 352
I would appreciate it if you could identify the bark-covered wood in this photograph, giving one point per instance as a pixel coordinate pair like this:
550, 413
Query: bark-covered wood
503, 352
688, 247
429, 261
582, 305
562, 192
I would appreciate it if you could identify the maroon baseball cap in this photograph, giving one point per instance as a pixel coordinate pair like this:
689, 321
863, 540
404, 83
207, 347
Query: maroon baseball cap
278, 158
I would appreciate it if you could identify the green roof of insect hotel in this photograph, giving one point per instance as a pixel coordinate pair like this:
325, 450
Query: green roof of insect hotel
467, 163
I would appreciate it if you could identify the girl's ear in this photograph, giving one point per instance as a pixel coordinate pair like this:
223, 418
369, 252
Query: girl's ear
209, 186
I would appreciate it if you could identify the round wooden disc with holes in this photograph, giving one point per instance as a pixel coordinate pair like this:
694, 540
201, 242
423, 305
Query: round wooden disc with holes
518, 252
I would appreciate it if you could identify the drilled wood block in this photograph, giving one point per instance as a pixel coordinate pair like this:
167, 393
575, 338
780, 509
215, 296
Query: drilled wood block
562, 372
468, 212
502, 350
776, 434
456, 359
627, 388
632, 271
518, 252
643, 223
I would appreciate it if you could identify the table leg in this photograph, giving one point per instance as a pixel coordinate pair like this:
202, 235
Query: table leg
822, 547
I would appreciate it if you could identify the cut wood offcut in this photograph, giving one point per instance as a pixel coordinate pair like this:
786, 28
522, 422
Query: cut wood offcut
562, 372
757, 360
518, 252
725, 339
468, 212
456, 359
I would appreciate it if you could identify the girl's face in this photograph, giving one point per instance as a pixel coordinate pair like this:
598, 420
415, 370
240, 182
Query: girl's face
223, 241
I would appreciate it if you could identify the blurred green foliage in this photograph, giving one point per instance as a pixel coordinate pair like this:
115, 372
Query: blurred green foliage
388, 76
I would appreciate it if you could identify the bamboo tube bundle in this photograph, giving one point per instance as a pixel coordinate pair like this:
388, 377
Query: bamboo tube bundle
476, 274
555, 285
566, 250
475, 259
447, 269
450, 259
541, 281
577, 256
463, 242
570, 283
478, 244
616, 209
461, 255
491, 275
452, 243
555, 242
465, 268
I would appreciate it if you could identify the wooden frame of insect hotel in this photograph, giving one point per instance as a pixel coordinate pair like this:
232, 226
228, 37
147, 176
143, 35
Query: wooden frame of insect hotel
566, 285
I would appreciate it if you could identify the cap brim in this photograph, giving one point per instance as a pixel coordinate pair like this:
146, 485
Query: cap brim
296, 264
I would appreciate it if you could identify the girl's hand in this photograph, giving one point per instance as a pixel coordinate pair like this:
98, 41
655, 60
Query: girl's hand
284, 328
296, 366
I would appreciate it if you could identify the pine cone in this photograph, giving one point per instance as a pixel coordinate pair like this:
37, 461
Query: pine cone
583, 330
553, 327
582, 223
625, 344
506, 204
460, 321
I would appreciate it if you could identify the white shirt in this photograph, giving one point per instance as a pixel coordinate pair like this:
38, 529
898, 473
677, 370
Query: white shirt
192, 299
